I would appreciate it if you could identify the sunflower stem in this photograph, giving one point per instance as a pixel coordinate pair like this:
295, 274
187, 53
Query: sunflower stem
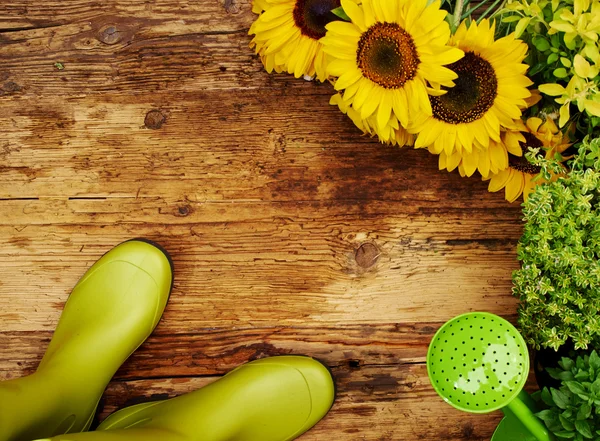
488, 10
458, 10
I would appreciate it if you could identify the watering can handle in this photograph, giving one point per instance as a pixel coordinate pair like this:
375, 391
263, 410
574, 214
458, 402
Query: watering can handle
529, 420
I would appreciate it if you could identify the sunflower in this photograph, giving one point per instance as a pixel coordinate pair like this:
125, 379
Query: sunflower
287, 33
391, 133
489, 94
517, 178
385, 56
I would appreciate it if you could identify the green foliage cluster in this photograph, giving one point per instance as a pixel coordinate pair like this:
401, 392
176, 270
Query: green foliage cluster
574, 409
559, 281
564, 55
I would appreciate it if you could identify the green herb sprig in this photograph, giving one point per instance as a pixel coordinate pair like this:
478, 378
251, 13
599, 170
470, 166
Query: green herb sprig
574, 409
559, 281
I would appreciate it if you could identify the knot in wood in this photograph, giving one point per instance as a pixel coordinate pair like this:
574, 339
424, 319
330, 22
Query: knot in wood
231, 6
109, 35
367, 255
11, 86
154, 119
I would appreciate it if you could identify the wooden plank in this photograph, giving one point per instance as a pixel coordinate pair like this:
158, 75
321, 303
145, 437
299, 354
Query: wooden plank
25, 14
216, 351
425, 219
214, 146
142, 46
278, 271
373, 403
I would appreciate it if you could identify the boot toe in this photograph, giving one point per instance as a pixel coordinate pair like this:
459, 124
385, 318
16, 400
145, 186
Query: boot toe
320, 385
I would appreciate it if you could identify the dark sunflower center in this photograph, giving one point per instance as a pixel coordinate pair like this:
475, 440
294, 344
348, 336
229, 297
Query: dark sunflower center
521, 163
473, 94
387, 55
311, 16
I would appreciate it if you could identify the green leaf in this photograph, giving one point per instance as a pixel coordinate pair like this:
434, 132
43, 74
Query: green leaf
575, 387
582, 67
558, 374
547, 416
566, 363
584, 412
536, 69
567, 425
584, 428
555, 41
552, 58
592, 107
564, 117
59, 65
559, 398
510, 18
561, 72
341, 13
552, 89
541, 44
565, 61
521, 26
596, 387
565, 434
546, 397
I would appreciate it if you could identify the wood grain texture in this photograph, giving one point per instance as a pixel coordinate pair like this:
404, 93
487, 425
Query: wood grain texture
290, 232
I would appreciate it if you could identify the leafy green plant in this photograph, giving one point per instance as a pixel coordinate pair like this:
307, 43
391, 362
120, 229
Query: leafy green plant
559, 281
574, 409
564, 54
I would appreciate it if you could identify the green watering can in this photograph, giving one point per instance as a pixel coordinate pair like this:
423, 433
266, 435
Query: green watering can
478, 362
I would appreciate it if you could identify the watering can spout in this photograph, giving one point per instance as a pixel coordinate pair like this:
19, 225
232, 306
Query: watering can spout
525, 415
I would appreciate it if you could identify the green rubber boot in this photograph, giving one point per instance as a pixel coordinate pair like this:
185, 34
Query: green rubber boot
110, 312
273, 399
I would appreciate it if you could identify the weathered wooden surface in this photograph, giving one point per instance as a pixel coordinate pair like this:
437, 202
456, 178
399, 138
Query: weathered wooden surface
290, 232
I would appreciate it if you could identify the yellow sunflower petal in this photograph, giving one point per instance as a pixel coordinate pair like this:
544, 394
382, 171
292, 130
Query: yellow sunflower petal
355, 13
528, 187
344, 29
400, 106
347, 79
514, 186
364, 91
453, 161
470, 162
369, 13
499, 180
484, 164
384, 111
534, 124
371, 104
